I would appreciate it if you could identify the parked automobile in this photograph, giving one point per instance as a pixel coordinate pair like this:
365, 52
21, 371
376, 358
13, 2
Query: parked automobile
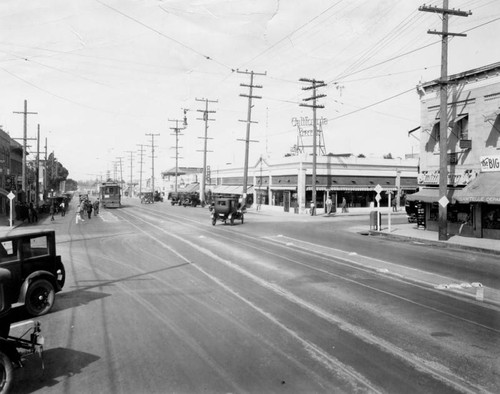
37, 273
14, 348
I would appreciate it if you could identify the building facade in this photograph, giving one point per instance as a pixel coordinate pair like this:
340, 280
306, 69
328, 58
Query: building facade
287, 182
473, 153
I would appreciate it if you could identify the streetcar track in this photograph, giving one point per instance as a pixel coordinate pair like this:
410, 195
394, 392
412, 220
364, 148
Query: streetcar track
439, 372
157, 313
351, 264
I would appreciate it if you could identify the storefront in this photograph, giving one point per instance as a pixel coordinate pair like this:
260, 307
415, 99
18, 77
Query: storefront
482, 196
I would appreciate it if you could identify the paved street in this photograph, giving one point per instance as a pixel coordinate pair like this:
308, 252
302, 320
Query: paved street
159, 300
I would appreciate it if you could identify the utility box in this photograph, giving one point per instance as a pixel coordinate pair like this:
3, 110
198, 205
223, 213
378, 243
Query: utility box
374, 224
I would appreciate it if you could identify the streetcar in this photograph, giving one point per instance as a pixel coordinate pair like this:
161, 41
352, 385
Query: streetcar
110, 195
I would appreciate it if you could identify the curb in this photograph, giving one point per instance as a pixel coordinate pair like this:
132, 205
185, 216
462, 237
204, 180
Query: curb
434, 243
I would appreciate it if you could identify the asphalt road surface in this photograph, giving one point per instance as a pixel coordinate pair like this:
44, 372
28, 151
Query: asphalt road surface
157, 300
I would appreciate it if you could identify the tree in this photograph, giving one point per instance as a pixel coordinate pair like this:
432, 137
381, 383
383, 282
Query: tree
71, 185
362, 156
56, 173
388, 156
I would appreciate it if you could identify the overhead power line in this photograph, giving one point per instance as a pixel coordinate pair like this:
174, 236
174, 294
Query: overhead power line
163, 35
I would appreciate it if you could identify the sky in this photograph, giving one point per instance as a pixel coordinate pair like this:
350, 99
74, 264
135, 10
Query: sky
104, 76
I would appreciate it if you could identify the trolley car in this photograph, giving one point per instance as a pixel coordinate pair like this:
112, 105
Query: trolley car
110, 195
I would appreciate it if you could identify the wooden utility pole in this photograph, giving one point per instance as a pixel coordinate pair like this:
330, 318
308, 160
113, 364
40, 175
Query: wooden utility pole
121, 174
205, 118
443, 109
249, 121
131, 168
25, 137
141, 162
314, 86
177, 131
37, 170
153, 162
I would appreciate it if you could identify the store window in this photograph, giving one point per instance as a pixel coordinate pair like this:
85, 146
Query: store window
491, 217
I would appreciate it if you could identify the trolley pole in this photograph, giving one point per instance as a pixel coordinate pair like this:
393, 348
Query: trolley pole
153, 162
249, 121
25, 137
314, 86
443, 109
177, 131
141, 162
205, 118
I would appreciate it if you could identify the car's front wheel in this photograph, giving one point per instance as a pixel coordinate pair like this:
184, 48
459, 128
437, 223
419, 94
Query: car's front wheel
39, 297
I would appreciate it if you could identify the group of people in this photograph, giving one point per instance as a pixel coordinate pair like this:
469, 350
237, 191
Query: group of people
87, 206
25, 211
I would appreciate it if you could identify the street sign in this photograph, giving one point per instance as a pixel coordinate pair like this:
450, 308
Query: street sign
11, 196
378, 188
377, 197
444, 201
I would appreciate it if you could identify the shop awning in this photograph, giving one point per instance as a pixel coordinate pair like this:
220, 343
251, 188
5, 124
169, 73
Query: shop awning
430, 194
193, 187
283, 187
231, 189
484, 188
353, 188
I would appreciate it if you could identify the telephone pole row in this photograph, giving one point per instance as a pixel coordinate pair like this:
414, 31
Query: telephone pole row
206, 119
443, 121
249, 121
314, 85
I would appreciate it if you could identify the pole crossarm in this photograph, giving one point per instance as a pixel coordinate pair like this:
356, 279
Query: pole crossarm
440, 33
439, 10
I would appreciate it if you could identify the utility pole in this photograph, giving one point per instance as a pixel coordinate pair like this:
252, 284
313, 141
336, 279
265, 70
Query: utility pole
153, 162
141, 162
131, 167
247, 140
45, 171
177, 131
37, 170
205, 138
443, 108
314, 86
121, 174
25, 137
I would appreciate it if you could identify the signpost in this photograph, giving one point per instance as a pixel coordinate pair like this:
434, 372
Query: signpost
378, 189
11, 197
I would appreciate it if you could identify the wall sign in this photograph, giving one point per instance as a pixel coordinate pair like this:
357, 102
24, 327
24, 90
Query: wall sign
490, 163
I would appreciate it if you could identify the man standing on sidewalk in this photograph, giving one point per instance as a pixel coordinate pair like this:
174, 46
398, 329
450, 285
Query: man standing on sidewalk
63, 208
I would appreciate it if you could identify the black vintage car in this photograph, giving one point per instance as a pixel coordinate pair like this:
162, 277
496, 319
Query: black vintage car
14, 348
227, 208
37, 273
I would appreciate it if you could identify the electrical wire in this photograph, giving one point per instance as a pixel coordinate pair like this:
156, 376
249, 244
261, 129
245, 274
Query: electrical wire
164, 35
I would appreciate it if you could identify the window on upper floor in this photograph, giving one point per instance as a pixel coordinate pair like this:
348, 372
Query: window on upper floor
462, 126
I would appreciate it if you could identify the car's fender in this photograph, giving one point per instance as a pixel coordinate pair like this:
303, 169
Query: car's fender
33, 276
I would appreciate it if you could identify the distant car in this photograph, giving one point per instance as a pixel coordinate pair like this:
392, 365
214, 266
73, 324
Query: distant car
37, 273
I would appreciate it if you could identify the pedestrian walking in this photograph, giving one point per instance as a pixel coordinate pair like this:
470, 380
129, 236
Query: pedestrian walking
344, 205
79, 213
89, 209
33, 213
51, 212
63, 208
313, 209
96, 207
394, 205
329, 203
